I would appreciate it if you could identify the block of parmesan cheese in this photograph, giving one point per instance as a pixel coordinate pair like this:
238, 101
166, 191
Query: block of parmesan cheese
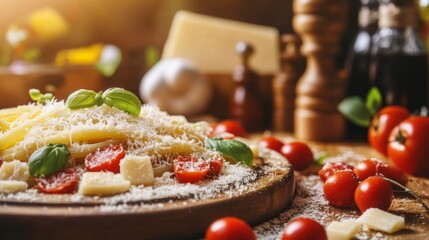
210, 43
14, 170
381, 220
8, 186
102, 183
343, 230
138, 170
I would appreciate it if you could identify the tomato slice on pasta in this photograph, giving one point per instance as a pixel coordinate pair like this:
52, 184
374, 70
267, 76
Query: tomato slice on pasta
61, 182
105, 159
190, 169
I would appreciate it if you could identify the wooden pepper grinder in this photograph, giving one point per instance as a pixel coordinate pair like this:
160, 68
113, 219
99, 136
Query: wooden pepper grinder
319, 23
246, 102
293, 64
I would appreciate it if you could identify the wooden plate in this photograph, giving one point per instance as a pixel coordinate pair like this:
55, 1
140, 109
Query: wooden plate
62, 217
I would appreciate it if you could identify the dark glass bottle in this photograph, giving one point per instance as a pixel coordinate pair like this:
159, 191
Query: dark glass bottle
358, 62
399, 65
246, 102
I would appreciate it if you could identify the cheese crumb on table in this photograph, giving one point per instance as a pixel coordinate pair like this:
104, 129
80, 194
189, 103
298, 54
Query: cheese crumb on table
381, 220
343, 230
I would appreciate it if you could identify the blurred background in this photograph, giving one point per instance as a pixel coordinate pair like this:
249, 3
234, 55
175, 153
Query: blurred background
138, 28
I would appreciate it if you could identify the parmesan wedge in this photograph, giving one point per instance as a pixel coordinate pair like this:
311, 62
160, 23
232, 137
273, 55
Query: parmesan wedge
381, 220
8, 186
14, 170
102, 183
343, 230
138, 170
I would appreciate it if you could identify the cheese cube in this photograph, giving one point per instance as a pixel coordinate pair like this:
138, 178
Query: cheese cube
138, 170
102, 183
343, 230
8, 186
14, 170
210, 43
380, 220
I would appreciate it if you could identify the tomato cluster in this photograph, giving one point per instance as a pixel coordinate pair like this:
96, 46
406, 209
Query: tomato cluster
188, 169
363, 185
297, 153
232, 228
402, 138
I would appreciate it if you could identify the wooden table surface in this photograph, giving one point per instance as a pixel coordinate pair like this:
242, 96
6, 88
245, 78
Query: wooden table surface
309, 200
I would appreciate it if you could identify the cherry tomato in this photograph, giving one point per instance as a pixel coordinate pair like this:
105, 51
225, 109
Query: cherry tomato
189, 169
372, 167
105, 159
409, 146
339, 189
382, 124
333, 167
298, 154
272, 143
374, 192
230, 228
229, 126
215, 166
61, 182
304, 229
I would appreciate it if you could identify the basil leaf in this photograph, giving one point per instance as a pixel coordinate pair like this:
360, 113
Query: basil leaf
35, 94
122, 99
374, 100
232, 150
99, 99
81, 99
354, 109
48, 160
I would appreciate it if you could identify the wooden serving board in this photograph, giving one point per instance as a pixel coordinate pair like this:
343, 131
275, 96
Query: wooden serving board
60, 217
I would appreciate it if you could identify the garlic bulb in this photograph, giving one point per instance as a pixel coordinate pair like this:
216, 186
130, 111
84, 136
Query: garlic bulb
176, 86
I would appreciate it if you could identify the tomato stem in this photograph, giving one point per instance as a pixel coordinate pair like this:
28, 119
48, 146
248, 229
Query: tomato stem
407, 190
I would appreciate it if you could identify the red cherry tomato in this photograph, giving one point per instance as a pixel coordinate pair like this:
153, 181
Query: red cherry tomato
333, 167
230, 228
304, 229
272, 143
105, 159
189, 169
371, 167
298, 154
61, 182
215, 166
374, 192
382, 124
339, 189
229, 126
409, 146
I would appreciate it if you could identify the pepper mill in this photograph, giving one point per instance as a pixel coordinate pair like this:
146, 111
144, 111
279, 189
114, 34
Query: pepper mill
320, 24
246, 102
284, 83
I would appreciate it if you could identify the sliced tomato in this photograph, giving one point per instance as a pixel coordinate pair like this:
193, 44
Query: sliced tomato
61, 182
105, 159
215, 166
190, 169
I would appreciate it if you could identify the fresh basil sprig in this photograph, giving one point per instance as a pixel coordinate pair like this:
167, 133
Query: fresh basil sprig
112, 97
122, 99
81, 99
360, 111
37, 96
48, 160
232, 150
